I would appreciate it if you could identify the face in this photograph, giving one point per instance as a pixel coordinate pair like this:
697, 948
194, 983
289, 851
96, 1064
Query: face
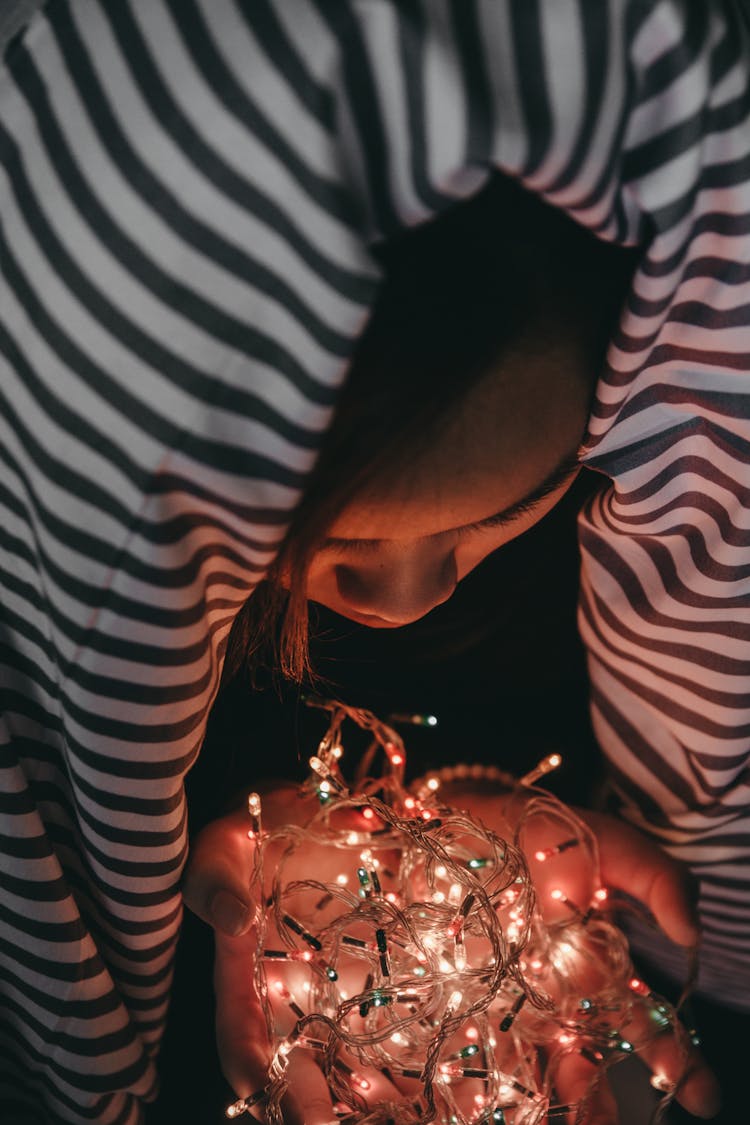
495, 467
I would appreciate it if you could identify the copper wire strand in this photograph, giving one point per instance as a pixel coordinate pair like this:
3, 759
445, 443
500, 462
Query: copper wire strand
415, 934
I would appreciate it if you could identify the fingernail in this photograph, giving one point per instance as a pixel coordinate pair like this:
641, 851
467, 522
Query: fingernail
229, 914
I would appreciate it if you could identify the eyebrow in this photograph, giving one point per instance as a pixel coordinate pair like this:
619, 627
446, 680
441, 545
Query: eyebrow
569, 464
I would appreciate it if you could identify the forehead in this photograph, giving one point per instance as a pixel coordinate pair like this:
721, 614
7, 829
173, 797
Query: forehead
501, 440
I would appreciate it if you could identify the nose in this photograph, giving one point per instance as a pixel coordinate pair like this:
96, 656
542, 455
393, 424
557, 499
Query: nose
402, 584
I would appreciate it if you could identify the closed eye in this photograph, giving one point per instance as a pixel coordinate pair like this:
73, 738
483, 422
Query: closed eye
561, 474
502, 519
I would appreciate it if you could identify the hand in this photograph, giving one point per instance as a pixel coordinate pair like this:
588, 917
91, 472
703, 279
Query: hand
630, 862
217, 889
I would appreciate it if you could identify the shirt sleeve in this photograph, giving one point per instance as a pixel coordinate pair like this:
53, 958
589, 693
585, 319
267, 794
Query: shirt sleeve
189, 190
665, 602
181, 282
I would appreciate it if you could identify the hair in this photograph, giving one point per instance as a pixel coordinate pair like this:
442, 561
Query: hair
502, 270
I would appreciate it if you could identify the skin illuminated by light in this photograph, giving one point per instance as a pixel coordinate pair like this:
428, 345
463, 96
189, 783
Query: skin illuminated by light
399, 551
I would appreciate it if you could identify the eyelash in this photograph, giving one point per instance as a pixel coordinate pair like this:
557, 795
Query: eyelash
353, 546
364, 546
497, 521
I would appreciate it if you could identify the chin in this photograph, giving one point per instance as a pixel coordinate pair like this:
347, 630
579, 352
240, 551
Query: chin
368, 619
376, 622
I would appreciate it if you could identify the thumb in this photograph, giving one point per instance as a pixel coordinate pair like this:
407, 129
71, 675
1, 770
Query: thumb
637, 865
216, 883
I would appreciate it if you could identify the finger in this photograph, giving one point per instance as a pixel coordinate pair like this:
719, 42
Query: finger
633, 863
216, 884
308, 1101
697, 1089
241, 1033
577, 1081
676, 1065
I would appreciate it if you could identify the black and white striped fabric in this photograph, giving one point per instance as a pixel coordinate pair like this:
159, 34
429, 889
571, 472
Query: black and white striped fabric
188, 190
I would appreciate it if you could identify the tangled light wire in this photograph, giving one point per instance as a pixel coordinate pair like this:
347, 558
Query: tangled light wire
435, 969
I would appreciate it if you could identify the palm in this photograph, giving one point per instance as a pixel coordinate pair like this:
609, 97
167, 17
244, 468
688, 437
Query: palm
628, 861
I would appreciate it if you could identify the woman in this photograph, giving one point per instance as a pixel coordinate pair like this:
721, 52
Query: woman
191, 200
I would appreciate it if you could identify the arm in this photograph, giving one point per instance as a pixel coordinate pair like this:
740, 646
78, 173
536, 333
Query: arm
663, 615
665, 604
153, 440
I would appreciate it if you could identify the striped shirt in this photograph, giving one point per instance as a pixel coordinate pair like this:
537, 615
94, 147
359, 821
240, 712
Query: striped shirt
188, 193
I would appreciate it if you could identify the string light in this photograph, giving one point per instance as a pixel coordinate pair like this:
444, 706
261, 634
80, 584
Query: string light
415, 720
253, 808
551, 762
438, 984
556, 849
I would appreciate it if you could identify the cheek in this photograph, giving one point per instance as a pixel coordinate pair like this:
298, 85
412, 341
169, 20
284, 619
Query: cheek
321, 580
473, 549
